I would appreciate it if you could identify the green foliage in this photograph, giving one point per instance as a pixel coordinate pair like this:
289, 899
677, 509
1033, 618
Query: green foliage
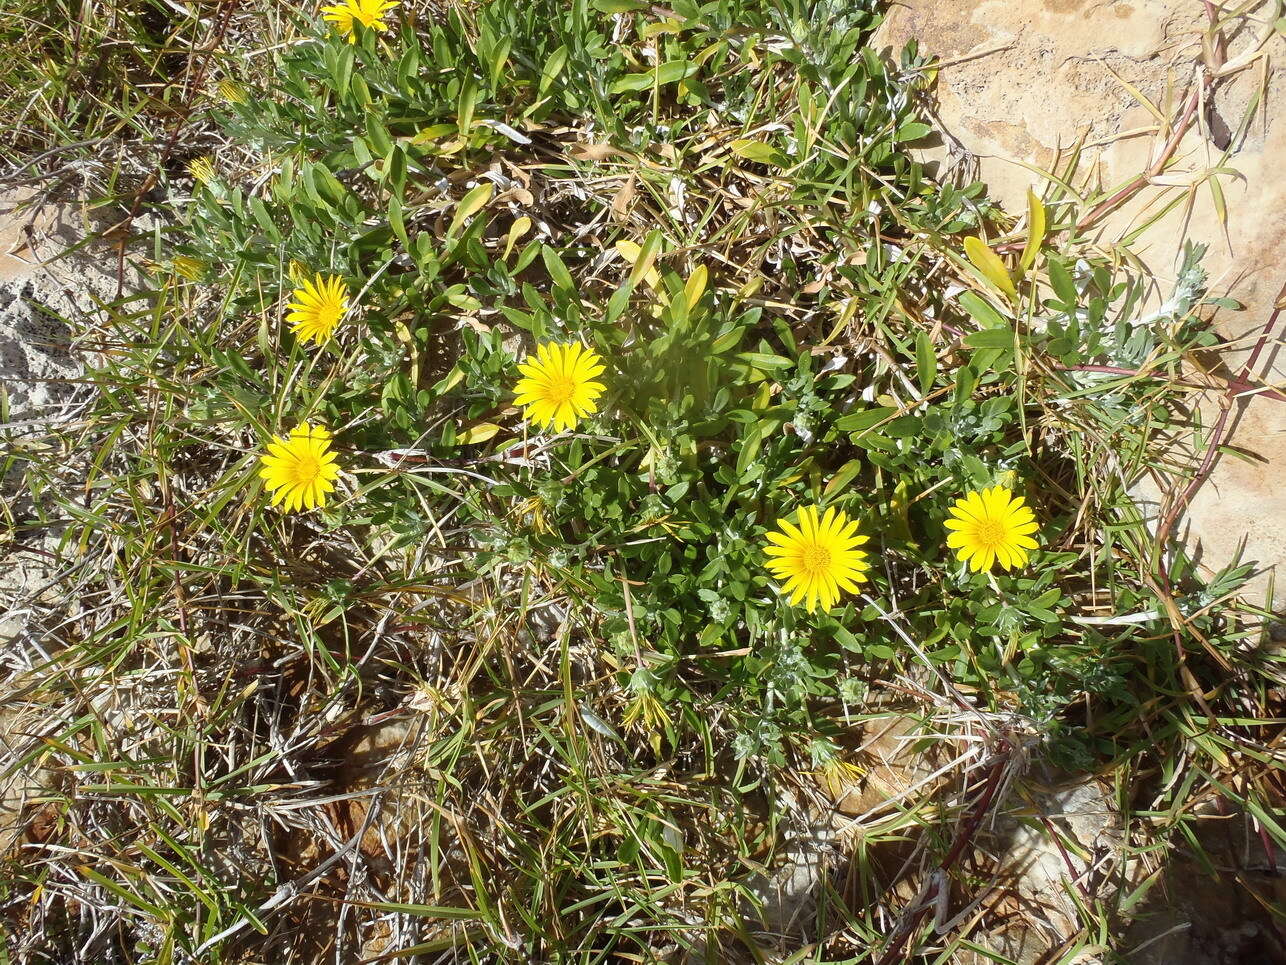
718, 199
723, 412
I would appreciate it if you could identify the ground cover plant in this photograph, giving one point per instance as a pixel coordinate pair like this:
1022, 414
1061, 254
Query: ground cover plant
552, 435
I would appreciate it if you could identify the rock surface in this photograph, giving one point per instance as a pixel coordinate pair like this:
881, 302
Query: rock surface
1023, 82
47, 296
37, 293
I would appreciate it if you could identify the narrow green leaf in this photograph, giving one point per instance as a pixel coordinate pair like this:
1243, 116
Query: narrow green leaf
847, 473
1221, 206
647, 256
926, 362
763, 360
865, 419
981, 311
674, 71
470, 204
912, 131
753, 150
397, 223
557, 270
553, 67
750, 448
1061, 280
465, 105
661, 75
499, 58
991, 338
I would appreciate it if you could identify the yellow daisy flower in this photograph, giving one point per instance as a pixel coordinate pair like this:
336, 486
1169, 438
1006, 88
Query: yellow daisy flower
991, 525
190, 268
231, 93
202, 169
300, 470
370, 13
557, 388
819, 558
318, 307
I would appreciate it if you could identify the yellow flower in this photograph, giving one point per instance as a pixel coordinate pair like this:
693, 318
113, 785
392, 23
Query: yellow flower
231, 93
370, 13
300, 470
202, 169
190, 268
991, 525
817, 559
533, 510
318, 307
558, 388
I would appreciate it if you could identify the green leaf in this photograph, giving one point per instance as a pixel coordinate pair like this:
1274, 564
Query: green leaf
465, 105
1216, 196
861, 421
991, 338
553, 67
1061, 280
378, 135
470, 205
750, 448
727, 341
846, 639
981, 311
619, 6
660, 75
397, 223
647, 256
753, 150
674, 71
264, 219
912, 131
847, 473
498, 58
631, 82
926, 362
763, 360
557, 270
904, 427
989, 264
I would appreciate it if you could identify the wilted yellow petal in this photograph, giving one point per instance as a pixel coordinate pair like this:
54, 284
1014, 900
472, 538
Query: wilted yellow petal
989, 263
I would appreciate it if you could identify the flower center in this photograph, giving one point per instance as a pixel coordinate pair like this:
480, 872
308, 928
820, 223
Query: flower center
815, 559
307, 468
559, 389
990, 533
328, 316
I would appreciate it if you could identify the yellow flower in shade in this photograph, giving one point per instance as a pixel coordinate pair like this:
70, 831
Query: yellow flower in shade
300, 470
190, 268
202, 169
231, 93
819, 558
558, 387
318, 307
991, 525
369, 13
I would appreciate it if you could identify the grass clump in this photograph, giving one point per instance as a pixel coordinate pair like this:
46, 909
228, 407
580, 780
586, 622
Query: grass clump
519, 691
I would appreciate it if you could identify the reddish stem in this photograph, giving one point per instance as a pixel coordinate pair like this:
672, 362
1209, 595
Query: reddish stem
962, 840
